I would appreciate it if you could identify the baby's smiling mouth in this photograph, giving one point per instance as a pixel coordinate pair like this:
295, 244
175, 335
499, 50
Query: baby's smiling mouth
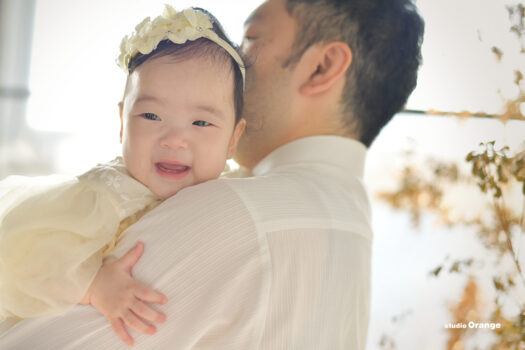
171, 167
172, 171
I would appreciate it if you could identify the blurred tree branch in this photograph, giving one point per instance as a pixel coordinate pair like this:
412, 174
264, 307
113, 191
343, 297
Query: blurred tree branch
467, 114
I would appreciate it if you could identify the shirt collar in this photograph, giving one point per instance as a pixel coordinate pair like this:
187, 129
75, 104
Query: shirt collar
323, 149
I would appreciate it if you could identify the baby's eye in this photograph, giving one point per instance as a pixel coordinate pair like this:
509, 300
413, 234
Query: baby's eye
201, 123
151, 116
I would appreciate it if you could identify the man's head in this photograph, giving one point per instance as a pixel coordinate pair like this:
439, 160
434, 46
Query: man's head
342, 67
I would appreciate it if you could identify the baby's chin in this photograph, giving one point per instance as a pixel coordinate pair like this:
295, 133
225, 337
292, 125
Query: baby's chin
167, 193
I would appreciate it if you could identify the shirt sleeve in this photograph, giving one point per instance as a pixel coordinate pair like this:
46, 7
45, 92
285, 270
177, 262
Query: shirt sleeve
203, 250
50, 242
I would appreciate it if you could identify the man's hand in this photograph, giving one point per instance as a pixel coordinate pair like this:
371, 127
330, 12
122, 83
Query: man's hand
122, 300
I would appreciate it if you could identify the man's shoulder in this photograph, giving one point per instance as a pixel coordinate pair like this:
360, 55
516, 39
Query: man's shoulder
246, 189
221, 197
219, 194
224, 196
286, 199
205, 212
214, 189
228, 186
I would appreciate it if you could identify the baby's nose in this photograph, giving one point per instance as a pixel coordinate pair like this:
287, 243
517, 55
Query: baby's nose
174, 138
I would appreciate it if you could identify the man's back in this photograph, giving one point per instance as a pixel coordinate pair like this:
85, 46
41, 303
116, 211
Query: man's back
315, 215
277, 261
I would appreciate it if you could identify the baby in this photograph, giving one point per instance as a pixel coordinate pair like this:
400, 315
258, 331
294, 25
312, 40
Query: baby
180, 121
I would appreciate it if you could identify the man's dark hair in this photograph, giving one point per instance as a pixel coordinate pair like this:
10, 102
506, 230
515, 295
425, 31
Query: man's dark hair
201, 47
385, 37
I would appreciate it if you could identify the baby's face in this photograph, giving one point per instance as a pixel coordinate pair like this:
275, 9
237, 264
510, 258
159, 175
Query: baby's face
178, 123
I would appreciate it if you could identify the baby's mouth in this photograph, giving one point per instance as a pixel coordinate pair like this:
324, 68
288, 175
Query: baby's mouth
172, 168
172, 171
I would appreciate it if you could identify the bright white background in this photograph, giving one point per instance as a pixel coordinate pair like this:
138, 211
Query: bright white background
75, 87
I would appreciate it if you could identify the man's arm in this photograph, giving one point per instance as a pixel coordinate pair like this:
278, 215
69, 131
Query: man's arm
204, 252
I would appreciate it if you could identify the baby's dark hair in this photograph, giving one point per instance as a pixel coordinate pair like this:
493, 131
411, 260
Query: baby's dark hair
204, 48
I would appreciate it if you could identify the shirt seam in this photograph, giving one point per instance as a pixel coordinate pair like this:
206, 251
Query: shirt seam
282, 225
265, 253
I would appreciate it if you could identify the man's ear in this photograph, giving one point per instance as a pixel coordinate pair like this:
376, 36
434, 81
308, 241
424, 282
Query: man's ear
329, 62
237, 132
121, 108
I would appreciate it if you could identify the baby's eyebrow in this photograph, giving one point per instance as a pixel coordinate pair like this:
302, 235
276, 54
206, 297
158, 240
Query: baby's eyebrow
210, 109
144, 98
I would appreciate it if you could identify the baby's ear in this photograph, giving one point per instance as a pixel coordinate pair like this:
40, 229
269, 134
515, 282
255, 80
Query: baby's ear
121, 108
237, 132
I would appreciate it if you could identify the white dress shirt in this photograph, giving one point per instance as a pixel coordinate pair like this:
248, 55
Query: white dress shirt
280, 260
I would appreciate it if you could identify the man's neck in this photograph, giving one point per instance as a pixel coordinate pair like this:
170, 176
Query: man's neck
302, 123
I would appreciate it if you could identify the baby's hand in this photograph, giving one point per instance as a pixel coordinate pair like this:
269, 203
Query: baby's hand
122, 300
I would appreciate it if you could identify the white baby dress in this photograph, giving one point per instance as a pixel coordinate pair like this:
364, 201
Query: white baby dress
54, 232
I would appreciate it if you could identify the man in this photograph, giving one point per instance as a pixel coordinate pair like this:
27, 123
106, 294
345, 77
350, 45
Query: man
280, 260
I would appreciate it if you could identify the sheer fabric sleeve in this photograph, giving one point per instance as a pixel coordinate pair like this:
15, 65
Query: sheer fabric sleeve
51, 237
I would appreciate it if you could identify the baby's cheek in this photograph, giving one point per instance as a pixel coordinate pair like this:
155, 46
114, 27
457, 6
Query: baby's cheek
212, 159
213, 168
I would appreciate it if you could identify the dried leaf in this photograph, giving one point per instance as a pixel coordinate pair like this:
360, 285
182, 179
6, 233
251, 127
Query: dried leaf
436, 271
498, 285
519, 77
497, 52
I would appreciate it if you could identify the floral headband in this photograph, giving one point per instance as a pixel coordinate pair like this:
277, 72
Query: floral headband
178, 27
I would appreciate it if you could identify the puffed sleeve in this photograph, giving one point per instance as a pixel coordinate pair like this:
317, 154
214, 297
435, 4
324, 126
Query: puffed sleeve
51, 236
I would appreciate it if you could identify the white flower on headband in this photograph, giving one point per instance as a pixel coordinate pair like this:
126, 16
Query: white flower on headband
178, 27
